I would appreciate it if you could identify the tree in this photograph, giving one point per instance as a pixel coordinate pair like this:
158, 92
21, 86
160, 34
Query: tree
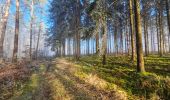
38, 40
132, 29
4, 25
31, 27
168, 19
160, 24
77, 24
139, 48
15, 51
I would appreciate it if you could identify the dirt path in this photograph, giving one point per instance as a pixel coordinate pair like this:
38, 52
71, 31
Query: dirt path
58, 80
76, 88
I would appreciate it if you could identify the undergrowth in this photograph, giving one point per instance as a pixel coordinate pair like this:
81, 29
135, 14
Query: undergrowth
154, 84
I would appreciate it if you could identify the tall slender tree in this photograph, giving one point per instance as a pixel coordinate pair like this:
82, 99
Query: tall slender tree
15, 51
168, 19
139, 46
132, 29
4, 25
31, 27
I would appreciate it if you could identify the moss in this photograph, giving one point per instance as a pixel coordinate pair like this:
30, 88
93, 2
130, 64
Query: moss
122, 72
27, 90
80, 74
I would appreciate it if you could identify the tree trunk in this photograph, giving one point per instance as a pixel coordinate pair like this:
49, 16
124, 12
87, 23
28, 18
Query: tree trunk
160, 33
104, 42
31, 27
115, 41
146, 37
97, 43
168, 19
4, 25
140, 59
15, 51
39, 33
132, 30
69, 47
77, 11
157, 30
63, 47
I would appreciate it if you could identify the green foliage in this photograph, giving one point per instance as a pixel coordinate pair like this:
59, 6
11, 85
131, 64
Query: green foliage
122, 72
32, 86
91, 7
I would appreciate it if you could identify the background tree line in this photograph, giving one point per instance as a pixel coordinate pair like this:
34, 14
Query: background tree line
110, 27
21, 29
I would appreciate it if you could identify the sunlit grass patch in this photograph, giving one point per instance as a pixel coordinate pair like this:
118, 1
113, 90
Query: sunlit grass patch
28, 89
91, 76
57, 88
121, 72
32, 87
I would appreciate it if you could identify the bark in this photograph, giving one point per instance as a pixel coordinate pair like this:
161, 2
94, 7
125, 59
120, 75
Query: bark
157, 30
97, 43
115, 40
4, 25
88, 46
69, 47
121, 41
127, 40
77, 11
38, 40
152, 37
132, 30
146, 37
160, 33
168, 19
139, 45
15, 51
104, 41
31, 27
63, 48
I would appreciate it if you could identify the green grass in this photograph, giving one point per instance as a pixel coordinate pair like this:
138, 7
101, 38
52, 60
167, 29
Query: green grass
32, 87
155, 83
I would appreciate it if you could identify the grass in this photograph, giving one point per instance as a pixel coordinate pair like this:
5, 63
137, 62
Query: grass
33, 87
26, 92
154, 84
88, 79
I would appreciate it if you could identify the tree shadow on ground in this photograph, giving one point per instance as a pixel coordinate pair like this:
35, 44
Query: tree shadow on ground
80, 89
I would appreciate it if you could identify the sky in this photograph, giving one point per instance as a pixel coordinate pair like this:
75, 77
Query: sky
24, 32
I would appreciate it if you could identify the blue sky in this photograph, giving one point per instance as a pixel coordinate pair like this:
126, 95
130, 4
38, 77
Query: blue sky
25, 11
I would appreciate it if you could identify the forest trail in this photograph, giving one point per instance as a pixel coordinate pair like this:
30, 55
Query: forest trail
58, 80
65, 84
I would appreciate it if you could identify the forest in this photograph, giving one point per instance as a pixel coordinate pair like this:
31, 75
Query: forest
84, 49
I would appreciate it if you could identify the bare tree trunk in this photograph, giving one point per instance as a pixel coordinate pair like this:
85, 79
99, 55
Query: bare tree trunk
15, 51
77, 13
152, 37
31, 27
157, 30
168, 19
115, 40
160, 33
4, 25
139, 46
146, 36
127, 37
63, 47
88, 46
121, 41
97, 43
104, 41
69, 47
132, 30
39, 33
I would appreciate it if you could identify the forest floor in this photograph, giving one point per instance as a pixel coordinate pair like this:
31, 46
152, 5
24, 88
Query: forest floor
87, 79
